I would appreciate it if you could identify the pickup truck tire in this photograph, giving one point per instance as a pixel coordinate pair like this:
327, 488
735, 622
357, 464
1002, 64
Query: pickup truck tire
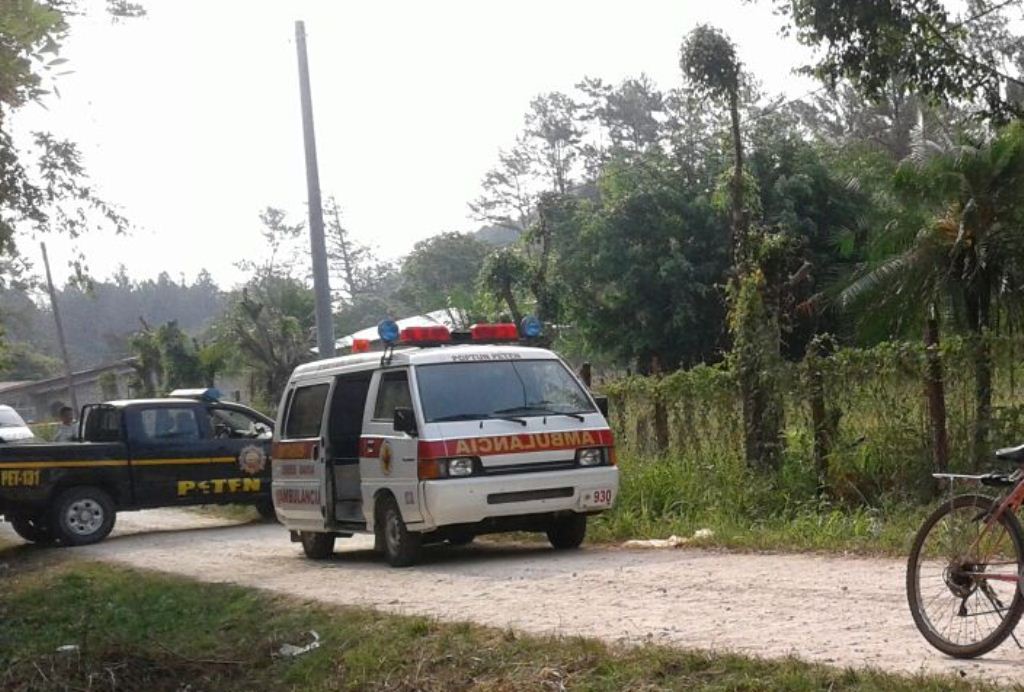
568, 532
265, 508
32, 528
82, 516
317, 546
461, 537
401, 546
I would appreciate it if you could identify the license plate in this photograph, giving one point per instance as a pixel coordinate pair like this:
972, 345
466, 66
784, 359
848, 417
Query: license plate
601, 497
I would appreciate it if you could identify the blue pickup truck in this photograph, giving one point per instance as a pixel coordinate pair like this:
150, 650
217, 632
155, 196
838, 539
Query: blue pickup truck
187, 449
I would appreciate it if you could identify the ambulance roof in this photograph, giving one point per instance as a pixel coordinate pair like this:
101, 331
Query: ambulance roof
459, 353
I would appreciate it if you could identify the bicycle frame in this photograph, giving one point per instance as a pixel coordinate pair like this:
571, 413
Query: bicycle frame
1010, 503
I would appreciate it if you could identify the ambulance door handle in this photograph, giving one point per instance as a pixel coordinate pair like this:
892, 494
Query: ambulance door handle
315, 454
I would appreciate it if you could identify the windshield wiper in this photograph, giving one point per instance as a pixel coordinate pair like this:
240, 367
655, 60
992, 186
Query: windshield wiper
538, 408
478, 416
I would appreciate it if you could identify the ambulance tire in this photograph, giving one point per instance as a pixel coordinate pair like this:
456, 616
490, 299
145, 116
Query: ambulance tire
568, 532
32, 528
401, 546
82, 516
317, 546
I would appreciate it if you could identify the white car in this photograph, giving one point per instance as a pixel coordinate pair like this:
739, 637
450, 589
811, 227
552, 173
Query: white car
12, 426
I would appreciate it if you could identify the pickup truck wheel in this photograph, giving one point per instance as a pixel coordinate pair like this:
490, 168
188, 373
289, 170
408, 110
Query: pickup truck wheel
32, 528
461, 537
568, 532
401, 546
81, 516
265, 508
317, 546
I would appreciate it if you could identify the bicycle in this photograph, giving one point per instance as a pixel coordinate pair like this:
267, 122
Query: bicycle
965, 571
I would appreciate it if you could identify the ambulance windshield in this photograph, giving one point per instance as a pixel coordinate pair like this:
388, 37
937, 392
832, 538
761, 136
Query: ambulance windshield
498, 389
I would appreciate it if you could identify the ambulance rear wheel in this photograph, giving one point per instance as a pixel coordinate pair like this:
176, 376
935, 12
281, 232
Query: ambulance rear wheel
568, 532
401, 546
82, 516
317, 546
32, 528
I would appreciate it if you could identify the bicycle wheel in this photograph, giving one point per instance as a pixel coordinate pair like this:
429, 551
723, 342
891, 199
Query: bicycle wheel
962, 578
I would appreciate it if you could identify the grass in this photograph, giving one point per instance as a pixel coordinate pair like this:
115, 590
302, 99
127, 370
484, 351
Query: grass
141, 630
667, 496
239, 513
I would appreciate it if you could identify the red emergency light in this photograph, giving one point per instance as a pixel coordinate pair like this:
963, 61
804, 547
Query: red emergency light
494, 332
417, 335
360, 345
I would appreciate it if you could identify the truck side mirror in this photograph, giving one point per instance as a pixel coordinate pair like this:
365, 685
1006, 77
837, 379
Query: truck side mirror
405, 421
602, 405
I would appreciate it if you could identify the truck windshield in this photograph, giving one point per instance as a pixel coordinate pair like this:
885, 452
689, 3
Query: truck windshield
499, 389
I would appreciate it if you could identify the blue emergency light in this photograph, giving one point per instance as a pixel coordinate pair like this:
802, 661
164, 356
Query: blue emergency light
207, 394
388, 331
530, 327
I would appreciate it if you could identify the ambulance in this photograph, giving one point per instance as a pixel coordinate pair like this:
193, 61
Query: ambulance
438, 436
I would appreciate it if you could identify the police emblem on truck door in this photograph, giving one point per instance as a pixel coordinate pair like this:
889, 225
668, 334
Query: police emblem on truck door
252, 459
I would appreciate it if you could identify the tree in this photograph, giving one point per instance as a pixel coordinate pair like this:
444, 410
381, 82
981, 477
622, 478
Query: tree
709, 63
962, 254
355, 269
48, 192
269, 326
640, 275
551, 123
503, 276
508, 195
914, 42
440, 273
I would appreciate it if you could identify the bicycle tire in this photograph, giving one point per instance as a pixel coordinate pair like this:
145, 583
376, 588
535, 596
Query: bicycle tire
1013, 612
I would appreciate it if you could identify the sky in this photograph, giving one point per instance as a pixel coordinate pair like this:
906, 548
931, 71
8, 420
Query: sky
189, 118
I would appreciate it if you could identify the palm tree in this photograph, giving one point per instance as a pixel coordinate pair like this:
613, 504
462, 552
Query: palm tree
961, 248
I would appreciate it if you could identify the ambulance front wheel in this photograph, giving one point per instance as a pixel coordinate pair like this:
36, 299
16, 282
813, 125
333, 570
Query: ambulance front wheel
567, 532
401, 546
317, 546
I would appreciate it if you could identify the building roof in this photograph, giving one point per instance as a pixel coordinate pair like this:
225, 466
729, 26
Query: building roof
60, 381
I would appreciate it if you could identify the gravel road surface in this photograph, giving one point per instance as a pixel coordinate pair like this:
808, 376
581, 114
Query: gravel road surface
840, 611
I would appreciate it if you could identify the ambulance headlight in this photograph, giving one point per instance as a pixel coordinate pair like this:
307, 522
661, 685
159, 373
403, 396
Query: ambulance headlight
593, 456
460, 466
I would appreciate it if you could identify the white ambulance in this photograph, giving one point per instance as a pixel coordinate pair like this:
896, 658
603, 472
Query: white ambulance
440, 437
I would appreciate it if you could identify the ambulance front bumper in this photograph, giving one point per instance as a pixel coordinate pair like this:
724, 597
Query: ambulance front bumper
472, 500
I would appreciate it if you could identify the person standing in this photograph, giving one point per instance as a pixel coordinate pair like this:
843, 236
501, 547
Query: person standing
66, 429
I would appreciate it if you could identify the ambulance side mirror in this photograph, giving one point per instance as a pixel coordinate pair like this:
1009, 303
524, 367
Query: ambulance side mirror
405, 421
602, 405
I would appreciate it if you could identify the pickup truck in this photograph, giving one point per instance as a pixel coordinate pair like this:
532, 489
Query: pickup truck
187, 449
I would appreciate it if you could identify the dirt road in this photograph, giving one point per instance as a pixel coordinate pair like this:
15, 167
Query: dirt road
846, 612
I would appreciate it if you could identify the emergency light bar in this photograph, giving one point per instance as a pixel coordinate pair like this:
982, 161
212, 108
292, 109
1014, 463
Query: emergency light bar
419, 335
437, 335
360, 345
494, 332
207, 394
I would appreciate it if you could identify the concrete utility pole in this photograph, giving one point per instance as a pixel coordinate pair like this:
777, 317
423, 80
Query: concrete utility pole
321, 282
60, 331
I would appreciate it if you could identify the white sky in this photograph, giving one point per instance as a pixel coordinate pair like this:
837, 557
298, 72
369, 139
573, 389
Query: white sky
189, 118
